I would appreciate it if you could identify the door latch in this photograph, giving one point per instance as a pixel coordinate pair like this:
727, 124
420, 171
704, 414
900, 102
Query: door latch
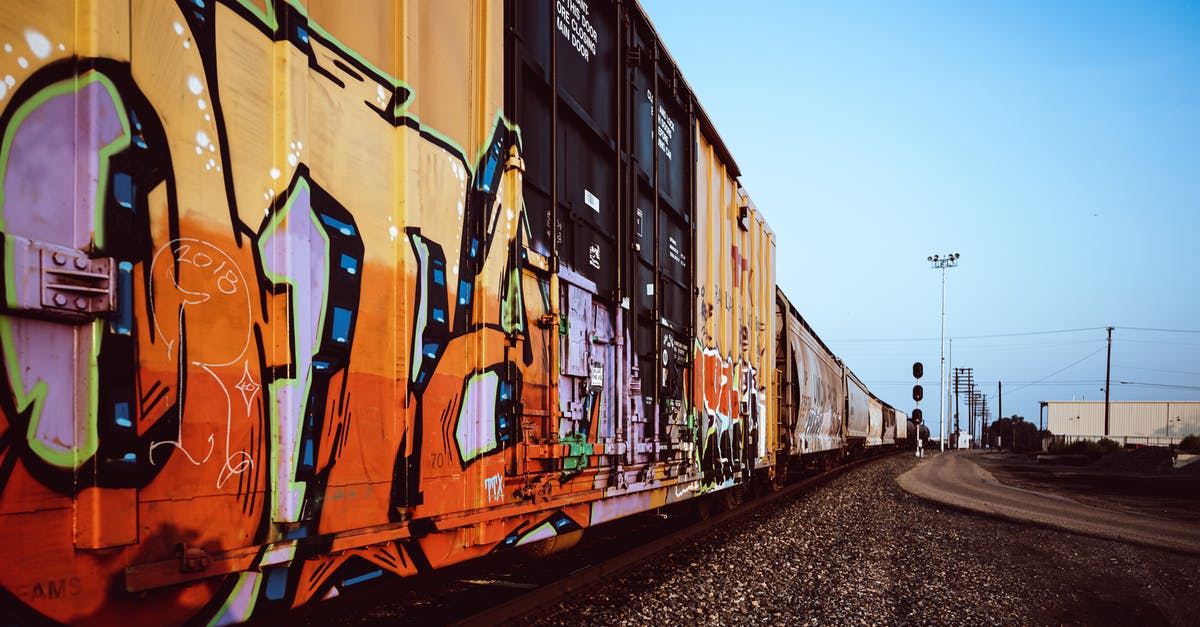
54, 282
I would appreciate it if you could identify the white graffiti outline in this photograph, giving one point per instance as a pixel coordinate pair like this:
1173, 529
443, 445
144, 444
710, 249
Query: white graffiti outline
178, 441
246, 461
235, 281
182, 246
248, 387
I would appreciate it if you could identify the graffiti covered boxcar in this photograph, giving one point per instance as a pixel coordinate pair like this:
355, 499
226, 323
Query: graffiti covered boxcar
298, 297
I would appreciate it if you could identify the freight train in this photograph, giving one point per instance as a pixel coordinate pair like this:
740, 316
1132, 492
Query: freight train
299, 295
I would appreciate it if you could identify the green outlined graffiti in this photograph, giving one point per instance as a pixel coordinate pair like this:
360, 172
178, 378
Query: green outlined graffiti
36, 118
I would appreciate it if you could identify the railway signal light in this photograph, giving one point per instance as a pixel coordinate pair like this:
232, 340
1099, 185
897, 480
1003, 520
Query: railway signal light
918, 393
916, 416
918, 370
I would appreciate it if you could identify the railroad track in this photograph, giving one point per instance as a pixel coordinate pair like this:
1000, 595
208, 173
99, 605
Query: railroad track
506, 587
535, 599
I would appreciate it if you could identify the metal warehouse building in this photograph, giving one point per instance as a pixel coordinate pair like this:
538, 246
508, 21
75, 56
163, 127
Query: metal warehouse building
1130, 422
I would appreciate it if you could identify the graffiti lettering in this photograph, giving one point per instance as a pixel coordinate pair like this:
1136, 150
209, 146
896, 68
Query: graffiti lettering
495, 488
227, 277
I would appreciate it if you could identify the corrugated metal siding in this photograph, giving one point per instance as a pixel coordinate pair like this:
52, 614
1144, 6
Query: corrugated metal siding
875, 422
858, 418
735, 280
889, 425
1163, 419
1184, 417
814, 389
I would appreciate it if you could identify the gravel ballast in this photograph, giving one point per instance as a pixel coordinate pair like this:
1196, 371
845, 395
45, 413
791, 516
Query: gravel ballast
860, 550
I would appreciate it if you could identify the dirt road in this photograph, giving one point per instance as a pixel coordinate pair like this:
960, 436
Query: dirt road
956, 479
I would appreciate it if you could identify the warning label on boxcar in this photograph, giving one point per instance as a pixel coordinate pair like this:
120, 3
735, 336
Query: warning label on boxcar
675, 252
574, 26
666, 127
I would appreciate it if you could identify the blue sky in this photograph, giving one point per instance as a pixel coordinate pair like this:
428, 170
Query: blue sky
1056, 146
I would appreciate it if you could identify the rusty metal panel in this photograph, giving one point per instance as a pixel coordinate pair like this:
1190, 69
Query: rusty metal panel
904, 428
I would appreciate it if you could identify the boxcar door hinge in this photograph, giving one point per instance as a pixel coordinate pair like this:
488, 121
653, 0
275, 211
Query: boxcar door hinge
192, 559
514, 162
633, 56
52, 282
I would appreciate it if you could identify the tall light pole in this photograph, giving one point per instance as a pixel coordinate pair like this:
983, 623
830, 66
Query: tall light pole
942, 262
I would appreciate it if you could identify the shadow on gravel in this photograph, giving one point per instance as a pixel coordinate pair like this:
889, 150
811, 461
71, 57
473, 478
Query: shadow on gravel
1104, 608
1139, 480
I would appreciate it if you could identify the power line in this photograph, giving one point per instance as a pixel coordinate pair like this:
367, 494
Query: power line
1160, 330
1015, 334
979, 337
1059, 382
971, 337
1059, 370
887, 339
1011, 347
1160, 385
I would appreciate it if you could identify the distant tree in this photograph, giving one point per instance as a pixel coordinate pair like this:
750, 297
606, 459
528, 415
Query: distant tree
1015, 433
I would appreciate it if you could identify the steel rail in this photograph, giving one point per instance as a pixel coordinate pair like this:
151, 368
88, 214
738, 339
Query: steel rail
547, 595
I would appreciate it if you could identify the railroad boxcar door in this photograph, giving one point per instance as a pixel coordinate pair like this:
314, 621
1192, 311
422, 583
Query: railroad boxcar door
74, 419
660, 219
562, 93
589, 390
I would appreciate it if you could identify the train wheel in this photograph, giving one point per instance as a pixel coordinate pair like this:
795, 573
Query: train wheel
556, 544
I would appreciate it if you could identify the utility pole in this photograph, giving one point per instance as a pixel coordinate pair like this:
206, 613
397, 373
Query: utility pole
981, 406
983, 427
1107, 380
964, 382
1000, 399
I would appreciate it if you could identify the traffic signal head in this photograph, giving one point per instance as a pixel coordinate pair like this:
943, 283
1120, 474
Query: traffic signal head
918, 393
916, 416
918, 370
